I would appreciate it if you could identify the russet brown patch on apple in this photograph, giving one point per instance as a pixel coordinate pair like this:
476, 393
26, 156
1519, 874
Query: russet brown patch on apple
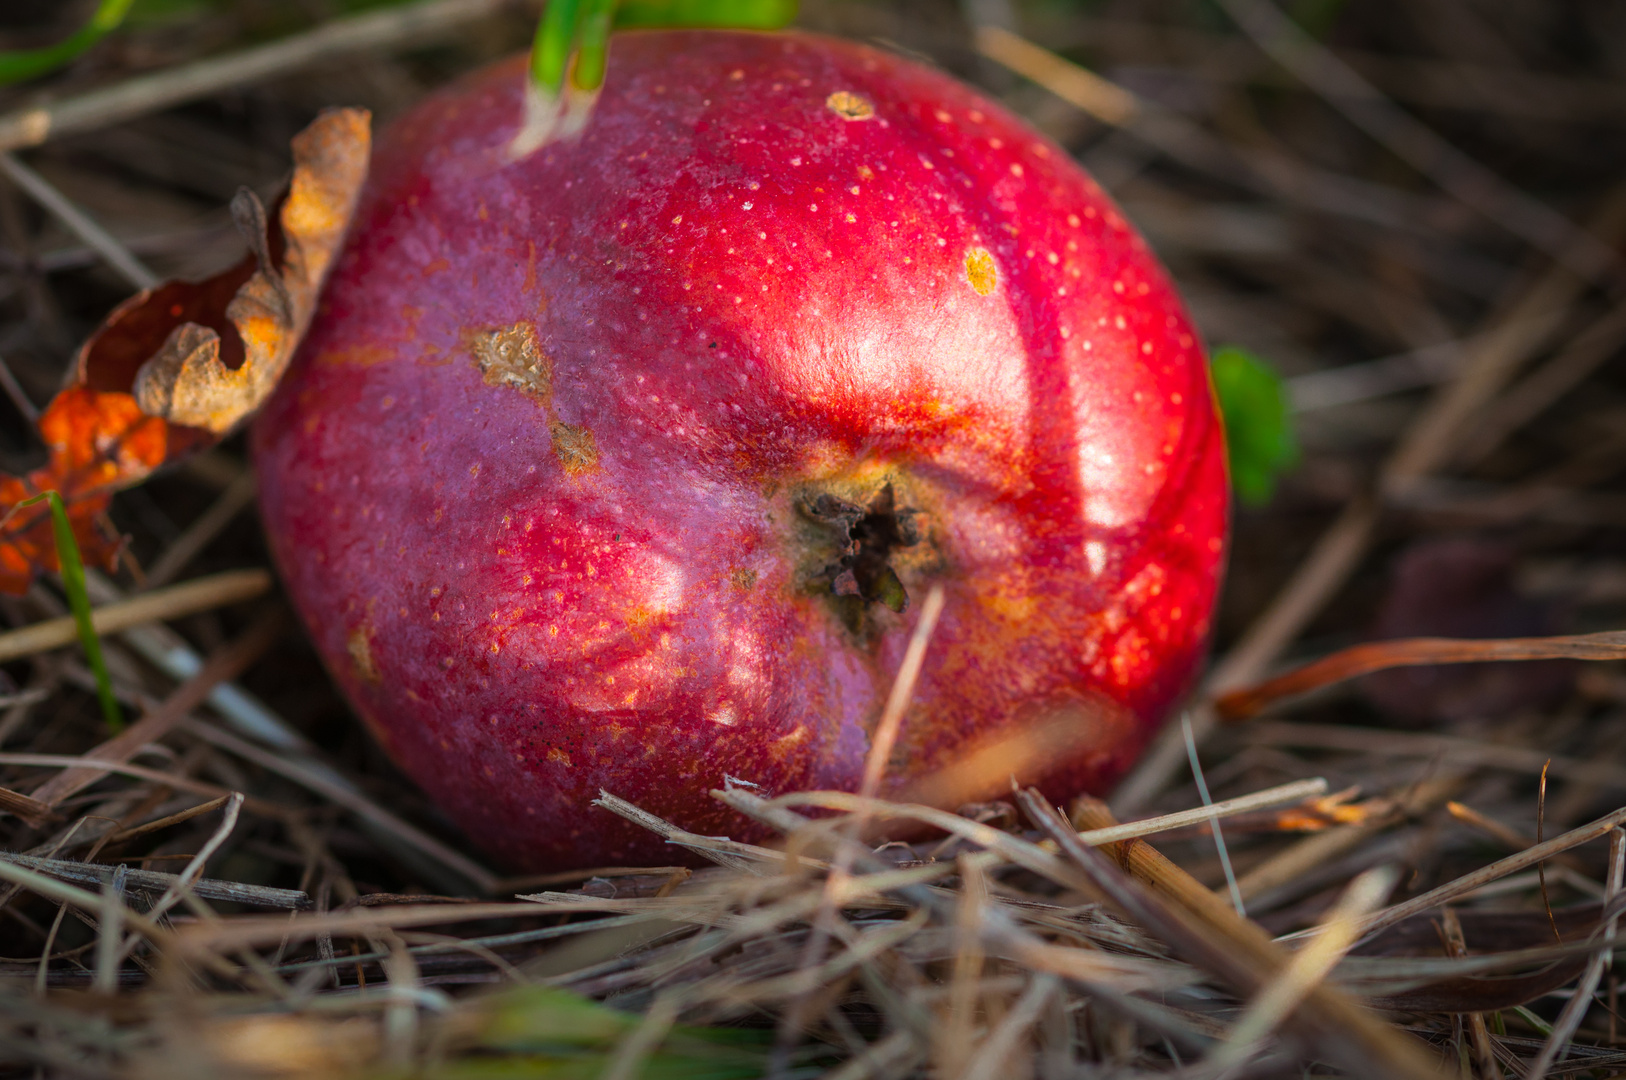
574, 447
849, 106
743, 579
510, 356
980, 271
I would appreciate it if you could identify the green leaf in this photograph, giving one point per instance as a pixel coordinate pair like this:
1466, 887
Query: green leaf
72, 569
1258, 427
22, 64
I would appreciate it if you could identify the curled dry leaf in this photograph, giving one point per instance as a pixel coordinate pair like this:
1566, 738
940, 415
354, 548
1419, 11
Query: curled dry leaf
175, 368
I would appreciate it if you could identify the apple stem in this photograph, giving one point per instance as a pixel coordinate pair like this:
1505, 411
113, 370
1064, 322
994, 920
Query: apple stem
593, 50
550, 51
570, 53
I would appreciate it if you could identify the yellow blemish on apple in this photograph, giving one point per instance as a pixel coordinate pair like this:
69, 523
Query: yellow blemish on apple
849, 106
980, 271
786, 744
1012, 606
359, 645
637, 620
557, 755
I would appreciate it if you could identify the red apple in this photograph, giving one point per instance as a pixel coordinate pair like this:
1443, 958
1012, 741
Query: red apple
616, 466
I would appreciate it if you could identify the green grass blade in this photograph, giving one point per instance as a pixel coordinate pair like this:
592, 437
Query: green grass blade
72, 569
735, 14
24, 64
1534, 1021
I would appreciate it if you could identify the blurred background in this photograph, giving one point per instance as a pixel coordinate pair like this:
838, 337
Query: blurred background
1404, 218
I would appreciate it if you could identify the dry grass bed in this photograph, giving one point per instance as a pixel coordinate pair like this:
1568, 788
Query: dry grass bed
1415, 210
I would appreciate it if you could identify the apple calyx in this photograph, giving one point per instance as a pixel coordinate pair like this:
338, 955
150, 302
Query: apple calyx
869, 533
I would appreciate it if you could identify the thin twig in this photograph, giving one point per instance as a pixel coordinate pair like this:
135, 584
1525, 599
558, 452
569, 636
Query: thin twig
12, 870
1184, 141
903, 691
875, 764
1466, 179
1467, 883
173, 602
226, 664
81, 224
126, 835
993, 1057
19, 397
238, 496
1295, 792
1373, 656
323, 781
194, 867
1308, 968
1233, 947
390, 28
1213, 821
1576, 1008
1512, 336
155, 881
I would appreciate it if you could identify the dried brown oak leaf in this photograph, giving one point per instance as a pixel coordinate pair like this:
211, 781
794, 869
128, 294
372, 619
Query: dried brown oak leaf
175, 368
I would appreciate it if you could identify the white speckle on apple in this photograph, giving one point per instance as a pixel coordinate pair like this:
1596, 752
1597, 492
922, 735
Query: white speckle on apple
1095, 553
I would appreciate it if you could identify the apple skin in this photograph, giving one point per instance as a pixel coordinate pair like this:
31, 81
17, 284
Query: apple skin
540, 481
